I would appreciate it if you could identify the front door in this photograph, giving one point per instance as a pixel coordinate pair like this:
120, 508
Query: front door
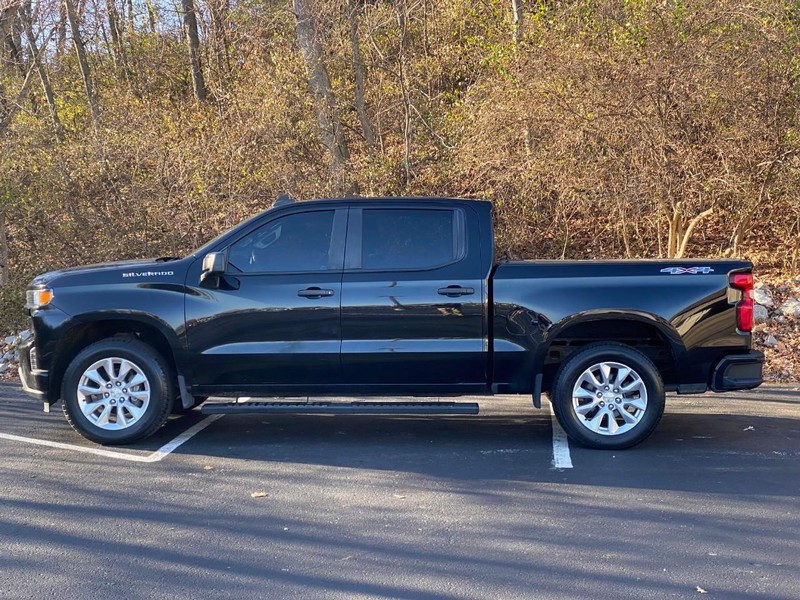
274, 321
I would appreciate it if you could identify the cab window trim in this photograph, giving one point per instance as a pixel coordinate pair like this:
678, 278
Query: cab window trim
355, 230
335, 248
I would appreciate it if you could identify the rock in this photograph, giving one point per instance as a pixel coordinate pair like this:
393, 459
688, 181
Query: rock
770, 342
8, 356
3, 368
791, 308
10, 340
26, 333
762, 296
760, 314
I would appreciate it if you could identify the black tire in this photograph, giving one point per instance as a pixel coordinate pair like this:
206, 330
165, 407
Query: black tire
158, 381
177, 405
594, 428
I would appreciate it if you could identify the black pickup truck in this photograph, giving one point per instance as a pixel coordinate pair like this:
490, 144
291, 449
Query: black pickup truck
384, 297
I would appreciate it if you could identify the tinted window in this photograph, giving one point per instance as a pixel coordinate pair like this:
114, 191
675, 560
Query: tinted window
294, 243
409, 238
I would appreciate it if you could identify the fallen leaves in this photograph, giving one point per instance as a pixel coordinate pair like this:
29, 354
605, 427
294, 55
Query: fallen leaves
259, 495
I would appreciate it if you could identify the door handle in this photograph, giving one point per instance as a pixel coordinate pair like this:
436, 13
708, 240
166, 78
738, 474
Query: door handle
314, 292
454, 291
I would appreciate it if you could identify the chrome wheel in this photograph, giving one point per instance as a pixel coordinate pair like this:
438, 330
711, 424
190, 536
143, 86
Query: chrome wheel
609, 398
113, 393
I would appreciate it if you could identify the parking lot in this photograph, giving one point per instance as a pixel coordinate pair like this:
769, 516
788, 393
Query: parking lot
432, 508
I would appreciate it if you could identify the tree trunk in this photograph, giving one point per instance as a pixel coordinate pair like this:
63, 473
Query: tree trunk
358, 70
219, 11
3, 250
80, 51
11, 108
330, 125
151, 15
402, 21
116, 35
37, 61
516, 9
193, 42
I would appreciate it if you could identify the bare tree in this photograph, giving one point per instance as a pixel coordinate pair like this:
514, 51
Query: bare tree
358, 70
43, 77
193, 42
80, 51
402, 21
330, 124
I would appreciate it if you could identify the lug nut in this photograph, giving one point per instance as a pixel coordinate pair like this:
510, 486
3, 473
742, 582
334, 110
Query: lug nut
617, 400
124, 390
108, 385
606, 388
599, 394
118, 383
106, 395
602, 404
616, 391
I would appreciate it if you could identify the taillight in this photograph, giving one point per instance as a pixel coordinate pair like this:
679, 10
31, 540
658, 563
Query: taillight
744, 308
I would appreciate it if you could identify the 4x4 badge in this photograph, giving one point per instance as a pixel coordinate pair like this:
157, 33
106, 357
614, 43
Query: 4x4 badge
687, 270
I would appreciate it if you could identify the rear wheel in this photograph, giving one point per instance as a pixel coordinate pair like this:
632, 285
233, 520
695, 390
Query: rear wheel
117, 391
608, 396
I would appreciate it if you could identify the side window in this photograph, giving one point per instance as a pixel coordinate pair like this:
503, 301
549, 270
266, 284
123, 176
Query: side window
408, 238
294, 243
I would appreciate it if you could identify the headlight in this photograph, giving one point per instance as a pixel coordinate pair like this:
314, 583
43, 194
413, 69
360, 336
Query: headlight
38, 298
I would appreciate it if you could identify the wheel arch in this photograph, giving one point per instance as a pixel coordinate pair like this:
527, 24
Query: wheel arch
146, 328
649, 333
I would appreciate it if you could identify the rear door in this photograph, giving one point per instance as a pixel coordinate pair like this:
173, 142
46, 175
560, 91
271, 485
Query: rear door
412, 301
274, 321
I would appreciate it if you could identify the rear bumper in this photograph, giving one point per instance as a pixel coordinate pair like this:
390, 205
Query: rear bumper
35, 382
738, 372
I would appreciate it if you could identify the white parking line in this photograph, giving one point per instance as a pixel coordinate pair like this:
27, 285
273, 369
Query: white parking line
561, 456
150, 458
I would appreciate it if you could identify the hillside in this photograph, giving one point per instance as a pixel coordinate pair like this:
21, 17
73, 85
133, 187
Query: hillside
599, 128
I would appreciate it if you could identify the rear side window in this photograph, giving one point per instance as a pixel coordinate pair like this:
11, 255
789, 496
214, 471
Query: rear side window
407, 238
295, 243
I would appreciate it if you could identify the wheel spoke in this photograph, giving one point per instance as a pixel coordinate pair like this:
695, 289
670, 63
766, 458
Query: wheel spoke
584, 409
594, 424
136, 411
589, 378
622, 373
125, 367
639, 403
629, 418
89, 391
108, 365
605, 371
137, 379
583, 393
94, 375
612, 424
102, 418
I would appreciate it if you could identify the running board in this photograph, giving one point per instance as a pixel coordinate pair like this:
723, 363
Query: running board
337, 408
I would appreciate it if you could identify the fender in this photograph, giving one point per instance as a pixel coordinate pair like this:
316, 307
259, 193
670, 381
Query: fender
554, 331
145, 318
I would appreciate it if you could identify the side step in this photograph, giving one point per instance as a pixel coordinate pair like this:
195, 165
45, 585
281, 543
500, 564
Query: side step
337, 408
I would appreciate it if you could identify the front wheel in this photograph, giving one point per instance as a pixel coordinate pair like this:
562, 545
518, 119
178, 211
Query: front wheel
117, 391
608, 396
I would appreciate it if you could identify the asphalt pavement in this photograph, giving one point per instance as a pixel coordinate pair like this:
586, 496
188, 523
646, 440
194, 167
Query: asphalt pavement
430, 508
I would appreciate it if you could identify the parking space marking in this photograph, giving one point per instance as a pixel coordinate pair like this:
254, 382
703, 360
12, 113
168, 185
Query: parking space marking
561, 455
150, 458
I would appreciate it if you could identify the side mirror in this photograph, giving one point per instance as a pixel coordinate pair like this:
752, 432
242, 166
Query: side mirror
214, 265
